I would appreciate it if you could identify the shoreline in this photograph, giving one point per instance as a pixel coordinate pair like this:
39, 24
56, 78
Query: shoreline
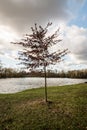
29, 89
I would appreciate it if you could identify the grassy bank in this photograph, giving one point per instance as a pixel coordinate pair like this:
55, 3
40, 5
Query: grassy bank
27, 111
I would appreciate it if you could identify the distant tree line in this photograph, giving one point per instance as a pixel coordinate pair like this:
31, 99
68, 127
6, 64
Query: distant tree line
74, 74
12, 73
68, 74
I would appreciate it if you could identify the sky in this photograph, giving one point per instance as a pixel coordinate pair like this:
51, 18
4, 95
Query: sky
17, 16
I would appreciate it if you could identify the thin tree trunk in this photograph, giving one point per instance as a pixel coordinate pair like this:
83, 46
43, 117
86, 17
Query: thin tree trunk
45, 83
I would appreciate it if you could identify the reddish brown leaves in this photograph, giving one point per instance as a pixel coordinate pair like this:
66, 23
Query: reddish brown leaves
37, 44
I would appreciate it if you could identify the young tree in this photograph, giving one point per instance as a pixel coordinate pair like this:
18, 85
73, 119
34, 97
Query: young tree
36, 50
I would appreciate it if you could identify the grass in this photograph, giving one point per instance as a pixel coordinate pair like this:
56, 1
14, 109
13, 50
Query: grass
27, 110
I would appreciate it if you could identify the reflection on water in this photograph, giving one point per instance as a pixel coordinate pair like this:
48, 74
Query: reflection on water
12, 85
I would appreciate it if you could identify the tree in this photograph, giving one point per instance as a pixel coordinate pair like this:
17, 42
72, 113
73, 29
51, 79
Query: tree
36, 50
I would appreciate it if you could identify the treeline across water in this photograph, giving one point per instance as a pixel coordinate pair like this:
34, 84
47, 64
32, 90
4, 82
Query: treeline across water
74, 74
11, 73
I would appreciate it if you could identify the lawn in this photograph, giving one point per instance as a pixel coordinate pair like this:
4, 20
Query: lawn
27, 110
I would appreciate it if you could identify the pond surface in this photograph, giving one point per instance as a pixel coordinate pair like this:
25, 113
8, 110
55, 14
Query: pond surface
12, 85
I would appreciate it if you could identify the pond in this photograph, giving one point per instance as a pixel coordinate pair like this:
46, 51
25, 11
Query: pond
12, 85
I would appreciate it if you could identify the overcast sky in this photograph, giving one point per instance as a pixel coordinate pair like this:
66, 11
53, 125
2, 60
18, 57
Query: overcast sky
17, 16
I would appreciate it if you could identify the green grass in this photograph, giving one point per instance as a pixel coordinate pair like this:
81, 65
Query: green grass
27, 110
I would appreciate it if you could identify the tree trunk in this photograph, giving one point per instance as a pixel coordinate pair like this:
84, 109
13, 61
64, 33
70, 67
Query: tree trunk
45, 83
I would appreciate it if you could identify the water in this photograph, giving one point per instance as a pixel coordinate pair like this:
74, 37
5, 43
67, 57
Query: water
12, 85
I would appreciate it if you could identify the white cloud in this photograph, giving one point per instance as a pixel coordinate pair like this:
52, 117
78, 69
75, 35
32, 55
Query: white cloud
76, 40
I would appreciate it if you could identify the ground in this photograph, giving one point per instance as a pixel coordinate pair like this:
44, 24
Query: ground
27, 110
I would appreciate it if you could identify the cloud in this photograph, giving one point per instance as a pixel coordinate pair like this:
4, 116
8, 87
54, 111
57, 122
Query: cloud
17, 16
23, 13
76, 40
